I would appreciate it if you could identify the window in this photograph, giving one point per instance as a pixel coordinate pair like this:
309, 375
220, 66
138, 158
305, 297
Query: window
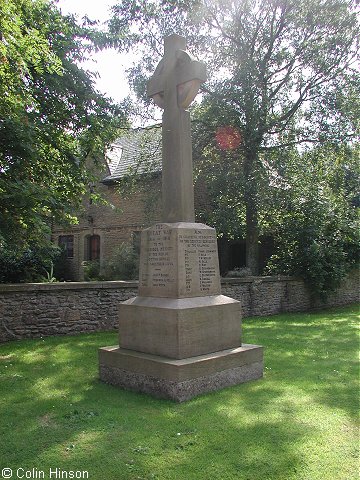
92, 247
67, 243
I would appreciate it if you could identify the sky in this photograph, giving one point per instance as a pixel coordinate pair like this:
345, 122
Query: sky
109, 63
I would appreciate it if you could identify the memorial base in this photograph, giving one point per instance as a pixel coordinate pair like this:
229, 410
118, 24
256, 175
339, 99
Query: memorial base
180, 380
179, 327
179, 337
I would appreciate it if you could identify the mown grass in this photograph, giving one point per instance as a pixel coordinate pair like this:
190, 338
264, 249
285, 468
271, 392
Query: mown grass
299, 422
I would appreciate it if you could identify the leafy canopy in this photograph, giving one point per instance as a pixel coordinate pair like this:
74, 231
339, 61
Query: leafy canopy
52, 120
283, 76
271, 64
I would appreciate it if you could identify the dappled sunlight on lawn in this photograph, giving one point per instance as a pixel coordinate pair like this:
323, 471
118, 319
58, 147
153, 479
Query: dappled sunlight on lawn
298, 422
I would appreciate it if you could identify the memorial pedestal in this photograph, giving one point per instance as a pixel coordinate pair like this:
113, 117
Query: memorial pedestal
180, 337
180, 380
179, 328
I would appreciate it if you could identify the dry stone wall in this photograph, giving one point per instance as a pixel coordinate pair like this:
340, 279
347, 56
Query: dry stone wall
35, 310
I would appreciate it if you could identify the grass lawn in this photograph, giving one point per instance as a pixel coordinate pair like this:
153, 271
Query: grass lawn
299, 422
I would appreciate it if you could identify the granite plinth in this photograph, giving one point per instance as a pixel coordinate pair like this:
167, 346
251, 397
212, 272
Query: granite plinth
180, 380
180, 328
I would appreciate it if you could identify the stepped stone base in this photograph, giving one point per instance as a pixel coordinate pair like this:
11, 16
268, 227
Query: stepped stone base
183, 379
179, 328
179, 337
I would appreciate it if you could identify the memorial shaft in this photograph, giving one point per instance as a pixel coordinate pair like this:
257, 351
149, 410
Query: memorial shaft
175, 70
177, 168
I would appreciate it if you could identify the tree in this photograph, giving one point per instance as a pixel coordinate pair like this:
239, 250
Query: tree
277, 72
52, 120
316, 224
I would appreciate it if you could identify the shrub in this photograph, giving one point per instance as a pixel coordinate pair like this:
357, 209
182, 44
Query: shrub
92, 271
30, 265
124, 264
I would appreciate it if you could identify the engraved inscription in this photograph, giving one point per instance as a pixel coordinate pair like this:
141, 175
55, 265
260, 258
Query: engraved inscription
157, 266
179, 262
199, 251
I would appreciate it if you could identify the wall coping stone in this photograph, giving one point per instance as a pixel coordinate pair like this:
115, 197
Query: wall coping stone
31, 287
21, 287
258, 279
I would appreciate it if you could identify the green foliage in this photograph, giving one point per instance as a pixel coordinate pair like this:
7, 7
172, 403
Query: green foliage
316, 224
221, 171
92, 271
60, 267
124, 264
49, 278
281, 73
52, 119
34, 264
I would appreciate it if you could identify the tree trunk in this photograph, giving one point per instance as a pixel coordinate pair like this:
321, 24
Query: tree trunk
252, 239
252, 229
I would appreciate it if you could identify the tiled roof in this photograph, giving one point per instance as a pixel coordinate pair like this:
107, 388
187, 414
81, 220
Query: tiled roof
139, 151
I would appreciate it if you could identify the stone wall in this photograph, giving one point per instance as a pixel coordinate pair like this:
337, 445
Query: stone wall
272, 295
35, 310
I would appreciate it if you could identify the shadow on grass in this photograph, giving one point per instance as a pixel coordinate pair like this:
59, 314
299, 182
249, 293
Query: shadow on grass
317, 352
55, 412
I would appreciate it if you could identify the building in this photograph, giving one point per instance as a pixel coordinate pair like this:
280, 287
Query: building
122, 214
129, 206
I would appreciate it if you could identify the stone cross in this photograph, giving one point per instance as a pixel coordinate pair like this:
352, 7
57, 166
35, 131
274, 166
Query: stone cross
173, 87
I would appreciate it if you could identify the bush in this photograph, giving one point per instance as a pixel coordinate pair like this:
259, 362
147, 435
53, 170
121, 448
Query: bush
34, 264
124, 264
92, 271
317, 244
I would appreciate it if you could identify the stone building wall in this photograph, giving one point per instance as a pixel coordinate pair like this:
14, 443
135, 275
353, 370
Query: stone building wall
35, 310
114, 222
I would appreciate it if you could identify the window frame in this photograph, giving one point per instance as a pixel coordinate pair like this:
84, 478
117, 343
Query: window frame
67, 242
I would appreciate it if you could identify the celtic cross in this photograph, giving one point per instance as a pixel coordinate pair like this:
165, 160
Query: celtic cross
173, 87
